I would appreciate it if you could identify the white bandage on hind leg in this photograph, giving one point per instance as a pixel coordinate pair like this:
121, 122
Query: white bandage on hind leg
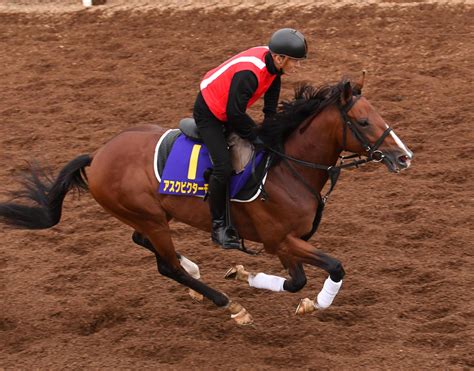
266, 281
190, 267
328, 293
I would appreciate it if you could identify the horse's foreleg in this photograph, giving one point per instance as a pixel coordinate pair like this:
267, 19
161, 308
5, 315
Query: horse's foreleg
261, 280
306, 253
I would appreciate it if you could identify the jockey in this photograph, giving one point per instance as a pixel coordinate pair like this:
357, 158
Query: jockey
225, 94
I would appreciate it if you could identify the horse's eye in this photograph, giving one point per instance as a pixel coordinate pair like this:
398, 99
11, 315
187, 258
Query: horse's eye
363, 122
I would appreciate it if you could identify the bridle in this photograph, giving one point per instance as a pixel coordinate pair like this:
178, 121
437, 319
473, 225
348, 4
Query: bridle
373, 153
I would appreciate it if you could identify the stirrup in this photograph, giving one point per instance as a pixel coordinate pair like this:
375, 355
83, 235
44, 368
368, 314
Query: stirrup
249, 251
235, 245
223, 231
244, 249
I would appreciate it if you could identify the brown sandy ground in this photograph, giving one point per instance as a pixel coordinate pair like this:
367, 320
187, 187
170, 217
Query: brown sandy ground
112, 6
83, 296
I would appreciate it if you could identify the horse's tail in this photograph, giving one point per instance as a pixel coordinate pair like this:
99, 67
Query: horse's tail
44, 195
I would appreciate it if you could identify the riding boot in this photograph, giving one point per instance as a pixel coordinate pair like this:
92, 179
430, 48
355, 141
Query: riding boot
223, 233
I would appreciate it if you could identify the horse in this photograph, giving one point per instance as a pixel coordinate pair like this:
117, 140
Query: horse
305, 139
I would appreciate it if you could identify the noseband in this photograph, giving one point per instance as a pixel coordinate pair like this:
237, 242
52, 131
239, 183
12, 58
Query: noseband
373, 153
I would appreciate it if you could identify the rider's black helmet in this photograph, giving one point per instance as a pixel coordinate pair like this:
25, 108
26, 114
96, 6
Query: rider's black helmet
288, 42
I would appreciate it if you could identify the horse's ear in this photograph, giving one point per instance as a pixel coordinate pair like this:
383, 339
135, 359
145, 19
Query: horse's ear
357, 88
346, 95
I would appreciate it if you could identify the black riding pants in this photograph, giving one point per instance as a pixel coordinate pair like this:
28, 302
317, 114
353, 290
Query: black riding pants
213, 135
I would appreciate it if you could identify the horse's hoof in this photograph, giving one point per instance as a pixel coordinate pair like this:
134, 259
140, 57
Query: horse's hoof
305, 306
237, 272
231, 273
196, 295
243, 318
239, 314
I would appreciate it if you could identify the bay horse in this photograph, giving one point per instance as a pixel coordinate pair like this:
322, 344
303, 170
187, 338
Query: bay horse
306, 138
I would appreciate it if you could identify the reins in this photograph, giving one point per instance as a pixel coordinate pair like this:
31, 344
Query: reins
373, 154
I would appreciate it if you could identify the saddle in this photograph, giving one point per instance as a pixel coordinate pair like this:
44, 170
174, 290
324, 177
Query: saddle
182, 165
241, 150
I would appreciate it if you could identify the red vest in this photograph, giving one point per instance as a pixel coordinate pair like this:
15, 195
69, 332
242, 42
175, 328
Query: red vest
216, 83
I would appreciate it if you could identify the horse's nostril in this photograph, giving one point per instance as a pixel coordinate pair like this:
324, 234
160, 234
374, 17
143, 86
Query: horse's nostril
404, 161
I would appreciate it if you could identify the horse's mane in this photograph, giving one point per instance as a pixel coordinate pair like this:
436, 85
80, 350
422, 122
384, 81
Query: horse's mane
308, 101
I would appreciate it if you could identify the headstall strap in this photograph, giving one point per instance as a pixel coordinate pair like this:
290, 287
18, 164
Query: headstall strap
379, 141
348, 106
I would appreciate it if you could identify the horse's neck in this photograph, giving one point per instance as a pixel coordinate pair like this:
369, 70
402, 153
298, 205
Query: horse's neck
318, 144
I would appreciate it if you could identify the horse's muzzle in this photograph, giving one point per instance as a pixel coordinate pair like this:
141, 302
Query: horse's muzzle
396, 161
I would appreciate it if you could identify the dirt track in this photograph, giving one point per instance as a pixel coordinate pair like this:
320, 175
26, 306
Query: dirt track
112, 6
82, 295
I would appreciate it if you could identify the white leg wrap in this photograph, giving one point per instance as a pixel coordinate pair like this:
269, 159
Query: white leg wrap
328, 293
266, 281
190, 267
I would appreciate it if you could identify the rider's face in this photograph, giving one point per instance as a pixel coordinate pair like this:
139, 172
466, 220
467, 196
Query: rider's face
291, 65
287, 64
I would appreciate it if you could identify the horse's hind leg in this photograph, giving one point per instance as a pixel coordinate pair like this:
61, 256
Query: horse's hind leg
189, 266
169, 266
146, 216
142, 241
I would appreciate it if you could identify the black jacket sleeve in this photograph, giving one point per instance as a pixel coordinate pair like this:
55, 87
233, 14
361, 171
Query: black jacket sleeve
242, 87
271, 98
